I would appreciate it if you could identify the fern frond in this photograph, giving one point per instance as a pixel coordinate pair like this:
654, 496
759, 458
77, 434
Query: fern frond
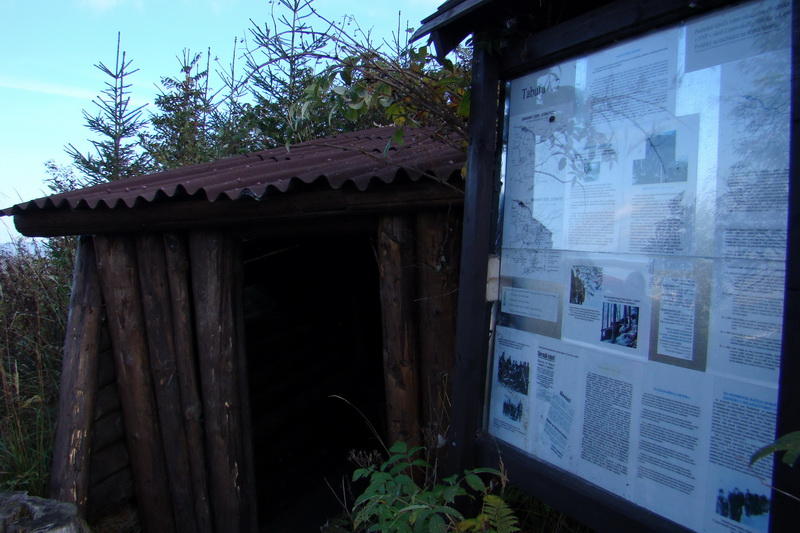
501, 516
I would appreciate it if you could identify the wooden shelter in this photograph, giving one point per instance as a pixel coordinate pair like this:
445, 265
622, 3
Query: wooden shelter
217, 308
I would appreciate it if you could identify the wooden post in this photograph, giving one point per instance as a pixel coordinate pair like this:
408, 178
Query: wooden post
177, 256
438, 255
69, 475
119, 280
157, 306
214, 261
400, 343
480, 214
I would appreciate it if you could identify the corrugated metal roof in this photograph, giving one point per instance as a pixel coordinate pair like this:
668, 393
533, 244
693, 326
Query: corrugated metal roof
356, 158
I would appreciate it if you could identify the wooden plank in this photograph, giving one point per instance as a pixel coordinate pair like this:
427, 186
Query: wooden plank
213, 269
438, 253
69, 477
177, 259
119, 281
400, 341
158, 314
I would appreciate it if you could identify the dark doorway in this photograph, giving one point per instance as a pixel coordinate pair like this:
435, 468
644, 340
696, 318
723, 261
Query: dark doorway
313, 334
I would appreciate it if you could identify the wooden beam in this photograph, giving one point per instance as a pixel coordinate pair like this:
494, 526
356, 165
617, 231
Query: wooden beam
400, 342
176, 248
158, 315
69, 474
119, 281
214, 264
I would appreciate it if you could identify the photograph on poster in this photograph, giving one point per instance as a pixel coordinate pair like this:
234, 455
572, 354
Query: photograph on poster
620, 324
659, 164
585, 283
514, 375
509, 412
663, 173
608, 302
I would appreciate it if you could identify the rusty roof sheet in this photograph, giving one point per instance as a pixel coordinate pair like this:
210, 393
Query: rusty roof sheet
356, 158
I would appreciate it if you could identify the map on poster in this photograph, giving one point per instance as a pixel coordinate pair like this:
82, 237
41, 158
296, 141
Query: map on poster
638, 334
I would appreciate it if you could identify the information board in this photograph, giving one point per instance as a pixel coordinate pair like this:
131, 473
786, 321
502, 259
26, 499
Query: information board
638, 335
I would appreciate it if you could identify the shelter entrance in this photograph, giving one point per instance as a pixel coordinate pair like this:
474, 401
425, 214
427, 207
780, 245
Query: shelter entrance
313, 340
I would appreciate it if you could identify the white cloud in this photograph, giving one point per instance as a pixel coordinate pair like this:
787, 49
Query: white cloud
46, 88
99, 5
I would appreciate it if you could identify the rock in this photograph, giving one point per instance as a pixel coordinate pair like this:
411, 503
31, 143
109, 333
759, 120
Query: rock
20, 513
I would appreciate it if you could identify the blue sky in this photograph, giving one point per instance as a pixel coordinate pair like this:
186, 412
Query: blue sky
48, 49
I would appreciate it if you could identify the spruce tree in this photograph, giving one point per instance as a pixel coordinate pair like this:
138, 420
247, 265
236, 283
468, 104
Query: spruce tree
118, 126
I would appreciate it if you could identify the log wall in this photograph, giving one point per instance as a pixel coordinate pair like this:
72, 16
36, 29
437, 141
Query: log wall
155, 400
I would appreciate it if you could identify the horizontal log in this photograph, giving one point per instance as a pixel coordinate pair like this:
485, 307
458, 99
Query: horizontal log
107, 401
107, 430
106, 373
110, 495
109, 461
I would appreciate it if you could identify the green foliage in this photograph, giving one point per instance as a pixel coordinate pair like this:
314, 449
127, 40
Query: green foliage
34, 297
788, 445
281, 64
118, 125
495, 516
182, 133
410, 89
395, 502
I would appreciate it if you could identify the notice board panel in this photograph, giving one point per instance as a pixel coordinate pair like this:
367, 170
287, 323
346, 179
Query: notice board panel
637, 342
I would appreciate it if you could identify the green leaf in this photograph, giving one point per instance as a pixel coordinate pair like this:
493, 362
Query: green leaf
399, 138
451, 480
475, 482
399, 447
436, 524
485, 470
789, 443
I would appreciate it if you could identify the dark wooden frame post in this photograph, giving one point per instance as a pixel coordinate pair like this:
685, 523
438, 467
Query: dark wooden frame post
480, 213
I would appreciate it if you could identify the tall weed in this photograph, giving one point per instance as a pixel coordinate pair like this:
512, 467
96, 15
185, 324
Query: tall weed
35, 279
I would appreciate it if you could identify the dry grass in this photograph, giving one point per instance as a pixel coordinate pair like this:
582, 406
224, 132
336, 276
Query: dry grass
34, 295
